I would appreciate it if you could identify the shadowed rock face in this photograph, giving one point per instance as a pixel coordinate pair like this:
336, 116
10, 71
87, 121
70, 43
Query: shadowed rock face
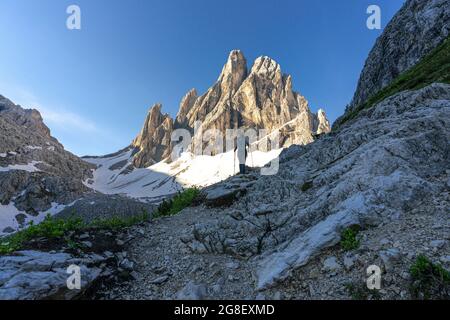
260, 99
419, 27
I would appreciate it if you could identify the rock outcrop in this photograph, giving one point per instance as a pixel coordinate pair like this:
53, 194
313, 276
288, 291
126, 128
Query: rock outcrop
153, 143
419, 27
260, 99
186, 105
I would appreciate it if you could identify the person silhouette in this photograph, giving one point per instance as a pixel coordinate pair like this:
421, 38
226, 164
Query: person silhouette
242, 146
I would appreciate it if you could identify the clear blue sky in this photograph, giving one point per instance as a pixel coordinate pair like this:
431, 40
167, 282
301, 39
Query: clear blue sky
94, 86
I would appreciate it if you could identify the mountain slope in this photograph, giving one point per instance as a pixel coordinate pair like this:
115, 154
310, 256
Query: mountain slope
39, 177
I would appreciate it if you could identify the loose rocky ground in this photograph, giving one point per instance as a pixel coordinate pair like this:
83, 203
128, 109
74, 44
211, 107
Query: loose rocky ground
165, 267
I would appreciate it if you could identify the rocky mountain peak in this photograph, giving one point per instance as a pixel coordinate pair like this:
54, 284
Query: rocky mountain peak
261, 99
266, 67
29, 118
234, 72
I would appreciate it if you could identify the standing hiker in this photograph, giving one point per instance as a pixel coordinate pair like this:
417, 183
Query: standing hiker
242, 147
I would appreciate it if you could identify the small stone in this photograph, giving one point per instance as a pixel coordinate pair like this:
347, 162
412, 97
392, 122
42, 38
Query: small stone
87, 244
159, 270
127, 264
445, 259
232, 265
192, 291
135, 275
349, 261
216, 288
438, 244
390, 257
196, 268
159, 280
331, 265
260, 297
277, 296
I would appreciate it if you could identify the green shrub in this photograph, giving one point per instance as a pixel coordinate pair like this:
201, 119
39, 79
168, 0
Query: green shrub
179, 202
429, 280
435, 67
361, 292
118, 222
306, 186
349, 239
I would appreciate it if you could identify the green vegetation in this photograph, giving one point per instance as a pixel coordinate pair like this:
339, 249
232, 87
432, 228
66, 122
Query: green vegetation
349, 238
179, 202
306, 186
53, 228
57, 228
435, 67
429, 280
116, 223
49, 228
361, 292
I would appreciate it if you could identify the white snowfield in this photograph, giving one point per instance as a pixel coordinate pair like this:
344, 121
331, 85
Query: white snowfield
162, 179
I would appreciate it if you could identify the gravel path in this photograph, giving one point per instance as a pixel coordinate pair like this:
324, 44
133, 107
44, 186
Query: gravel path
166, 269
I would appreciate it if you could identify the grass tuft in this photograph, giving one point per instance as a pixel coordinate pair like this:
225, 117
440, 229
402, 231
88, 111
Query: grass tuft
179, 202
349, 239
429, 280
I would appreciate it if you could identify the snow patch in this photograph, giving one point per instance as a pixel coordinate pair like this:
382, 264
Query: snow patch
9, 212
31, 167
33, 148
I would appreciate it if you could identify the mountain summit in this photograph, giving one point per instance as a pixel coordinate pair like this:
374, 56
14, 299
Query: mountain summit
260, 99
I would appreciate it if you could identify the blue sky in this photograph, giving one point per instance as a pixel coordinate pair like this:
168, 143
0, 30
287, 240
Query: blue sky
95, 85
